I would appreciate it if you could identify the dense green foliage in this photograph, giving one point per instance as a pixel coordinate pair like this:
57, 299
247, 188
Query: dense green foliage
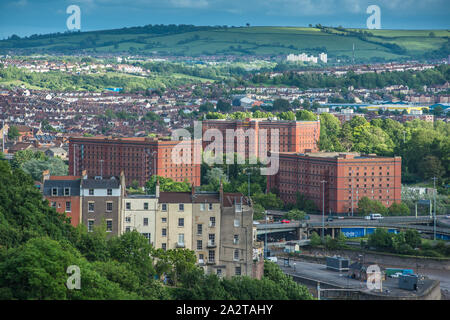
423, 146
34, 163
412, 79
408, 242
60, 81
166, 184
275, 285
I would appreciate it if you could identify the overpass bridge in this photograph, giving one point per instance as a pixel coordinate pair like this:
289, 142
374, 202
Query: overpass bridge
397, 223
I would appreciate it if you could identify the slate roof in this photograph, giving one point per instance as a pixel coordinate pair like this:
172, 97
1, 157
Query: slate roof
74, 186
100, 184
175, 197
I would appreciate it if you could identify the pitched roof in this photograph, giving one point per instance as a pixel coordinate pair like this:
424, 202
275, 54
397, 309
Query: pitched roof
229, 199
175, 197
74, 186
100, 184
212, 197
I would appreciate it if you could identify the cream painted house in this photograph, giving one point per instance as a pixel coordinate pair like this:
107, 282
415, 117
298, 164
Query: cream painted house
206, 229
174, 220
140, 215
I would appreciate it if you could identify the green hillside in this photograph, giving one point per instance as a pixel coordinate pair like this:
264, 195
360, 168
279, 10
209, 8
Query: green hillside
194, 41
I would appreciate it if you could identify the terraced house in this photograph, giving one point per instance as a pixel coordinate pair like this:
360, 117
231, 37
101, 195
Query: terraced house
102, 202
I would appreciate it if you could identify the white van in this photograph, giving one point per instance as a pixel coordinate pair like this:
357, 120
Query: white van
375, 216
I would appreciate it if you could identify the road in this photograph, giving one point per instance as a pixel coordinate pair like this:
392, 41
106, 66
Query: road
319, 272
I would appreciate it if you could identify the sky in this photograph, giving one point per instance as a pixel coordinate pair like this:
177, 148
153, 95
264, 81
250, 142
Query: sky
27, 17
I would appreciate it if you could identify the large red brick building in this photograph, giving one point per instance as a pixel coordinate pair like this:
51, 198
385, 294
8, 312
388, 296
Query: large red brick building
138, 158
294, 136
348, 176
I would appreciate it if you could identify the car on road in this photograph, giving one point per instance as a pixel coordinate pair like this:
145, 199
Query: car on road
330, 219
340, 218
447, 216
375, 216
273, 259
396, 275
285, 221
367, 217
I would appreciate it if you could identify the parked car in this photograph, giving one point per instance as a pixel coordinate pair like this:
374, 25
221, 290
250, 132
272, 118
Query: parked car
447, 216
273, 259
330, 219
340, 218
367, 217
285, 221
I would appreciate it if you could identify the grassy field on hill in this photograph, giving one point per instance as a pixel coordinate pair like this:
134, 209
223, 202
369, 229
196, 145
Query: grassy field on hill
195, 41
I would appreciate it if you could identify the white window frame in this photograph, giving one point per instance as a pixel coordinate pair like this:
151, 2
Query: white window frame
109, 220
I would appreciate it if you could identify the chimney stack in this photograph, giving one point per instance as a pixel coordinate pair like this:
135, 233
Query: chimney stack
45, 175
157, 188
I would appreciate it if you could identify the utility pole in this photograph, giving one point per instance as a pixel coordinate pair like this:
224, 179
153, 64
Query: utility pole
249, 174
318, 290
323, 208
265, 237
435, 192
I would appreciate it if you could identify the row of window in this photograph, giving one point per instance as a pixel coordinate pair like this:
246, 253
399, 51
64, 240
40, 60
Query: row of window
67, 192
180, 206
91, 206
109, 225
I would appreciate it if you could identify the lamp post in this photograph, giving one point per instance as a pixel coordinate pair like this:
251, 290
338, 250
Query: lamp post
323, 208
265, 237
249, 174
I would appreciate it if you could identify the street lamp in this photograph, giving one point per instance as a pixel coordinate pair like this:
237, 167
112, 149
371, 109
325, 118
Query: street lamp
265, 237
323, 208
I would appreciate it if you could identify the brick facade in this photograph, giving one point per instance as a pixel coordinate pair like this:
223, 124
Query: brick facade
295, 136
378, 178
138, 158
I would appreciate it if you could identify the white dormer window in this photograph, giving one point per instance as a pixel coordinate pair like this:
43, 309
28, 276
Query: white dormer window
67, 191
54, 191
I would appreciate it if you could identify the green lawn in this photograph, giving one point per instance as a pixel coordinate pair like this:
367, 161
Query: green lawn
242, 41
